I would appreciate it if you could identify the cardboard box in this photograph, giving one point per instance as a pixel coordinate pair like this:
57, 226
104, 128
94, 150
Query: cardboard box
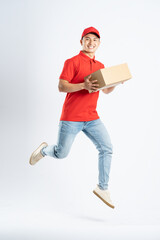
111, 76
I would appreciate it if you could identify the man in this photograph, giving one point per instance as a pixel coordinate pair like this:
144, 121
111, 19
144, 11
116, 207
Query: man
79, 111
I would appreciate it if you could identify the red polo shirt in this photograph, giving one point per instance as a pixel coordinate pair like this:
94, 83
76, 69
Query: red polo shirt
80, 105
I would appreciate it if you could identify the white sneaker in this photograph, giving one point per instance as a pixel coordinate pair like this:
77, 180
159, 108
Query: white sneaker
36, 155
104, 195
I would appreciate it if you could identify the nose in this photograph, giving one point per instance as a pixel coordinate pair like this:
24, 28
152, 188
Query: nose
91, 41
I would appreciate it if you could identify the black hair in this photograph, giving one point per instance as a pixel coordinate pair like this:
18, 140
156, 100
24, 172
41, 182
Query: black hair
92, 33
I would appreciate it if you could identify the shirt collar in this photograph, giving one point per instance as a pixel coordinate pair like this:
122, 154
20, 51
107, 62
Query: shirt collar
87, 58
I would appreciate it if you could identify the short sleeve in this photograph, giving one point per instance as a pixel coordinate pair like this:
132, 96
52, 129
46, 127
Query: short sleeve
68, 71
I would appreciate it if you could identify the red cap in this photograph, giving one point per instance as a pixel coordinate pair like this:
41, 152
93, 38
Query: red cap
90, 30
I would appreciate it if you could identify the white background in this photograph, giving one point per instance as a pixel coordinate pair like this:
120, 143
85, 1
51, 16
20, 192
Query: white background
54, 199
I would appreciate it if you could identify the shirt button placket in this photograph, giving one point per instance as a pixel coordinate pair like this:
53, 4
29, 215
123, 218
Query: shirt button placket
91, 65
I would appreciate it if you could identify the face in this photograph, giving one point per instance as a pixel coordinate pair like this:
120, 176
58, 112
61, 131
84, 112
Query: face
90, 43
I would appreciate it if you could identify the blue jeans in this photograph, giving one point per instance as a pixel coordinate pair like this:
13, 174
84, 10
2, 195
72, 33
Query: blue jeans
97, 133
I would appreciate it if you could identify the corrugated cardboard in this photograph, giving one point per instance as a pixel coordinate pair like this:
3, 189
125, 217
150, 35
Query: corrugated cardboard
111, 76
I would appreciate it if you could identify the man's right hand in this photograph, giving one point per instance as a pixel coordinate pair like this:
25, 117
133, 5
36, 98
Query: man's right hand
90, 85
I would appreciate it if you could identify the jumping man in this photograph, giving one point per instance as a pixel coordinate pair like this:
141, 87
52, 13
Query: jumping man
79, 112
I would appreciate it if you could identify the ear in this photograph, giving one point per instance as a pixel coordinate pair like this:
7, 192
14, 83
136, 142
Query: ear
81, 41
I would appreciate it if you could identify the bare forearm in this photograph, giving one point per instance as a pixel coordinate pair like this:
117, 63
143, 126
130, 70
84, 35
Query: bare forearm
108, 90
65, 86
70, 87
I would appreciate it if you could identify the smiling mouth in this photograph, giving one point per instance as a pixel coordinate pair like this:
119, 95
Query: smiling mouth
90, 47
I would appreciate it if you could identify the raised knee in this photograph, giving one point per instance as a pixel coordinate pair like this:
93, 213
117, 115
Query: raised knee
61, 155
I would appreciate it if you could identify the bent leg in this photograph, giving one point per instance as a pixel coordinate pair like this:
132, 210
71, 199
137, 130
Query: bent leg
66, 135
98, 134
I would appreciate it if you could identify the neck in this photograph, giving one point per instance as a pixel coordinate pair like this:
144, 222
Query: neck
91, 55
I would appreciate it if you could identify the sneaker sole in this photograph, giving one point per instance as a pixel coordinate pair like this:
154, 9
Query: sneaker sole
30, 161
103, 199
